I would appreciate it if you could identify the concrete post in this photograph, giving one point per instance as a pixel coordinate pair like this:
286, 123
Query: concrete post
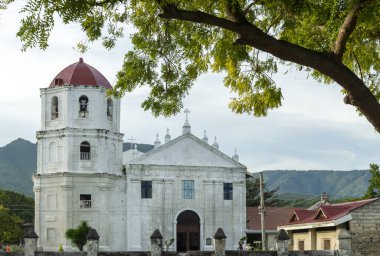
156, 243
344, 243
282, 243
30, 242
92, 243
220, 243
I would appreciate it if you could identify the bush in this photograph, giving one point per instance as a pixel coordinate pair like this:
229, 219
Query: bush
78, 235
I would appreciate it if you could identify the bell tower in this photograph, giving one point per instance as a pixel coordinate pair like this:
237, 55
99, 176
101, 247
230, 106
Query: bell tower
80, 126
79, 153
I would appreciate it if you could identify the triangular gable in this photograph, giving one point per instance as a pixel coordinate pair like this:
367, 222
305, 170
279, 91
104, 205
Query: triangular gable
300, 215
187, 150
294, 218
320, 215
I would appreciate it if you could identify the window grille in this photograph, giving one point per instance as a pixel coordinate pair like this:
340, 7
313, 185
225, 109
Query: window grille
85, 201
188, 189
228, 191
146, 189
85, 151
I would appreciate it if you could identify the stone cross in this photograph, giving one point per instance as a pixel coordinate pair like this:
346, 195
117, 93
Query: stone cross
187, 112
132, 140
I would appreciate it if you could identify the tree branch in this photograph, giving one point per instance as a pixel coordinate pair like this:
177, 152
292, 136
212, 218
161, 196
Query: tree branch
346, 30
248, 34
358, 63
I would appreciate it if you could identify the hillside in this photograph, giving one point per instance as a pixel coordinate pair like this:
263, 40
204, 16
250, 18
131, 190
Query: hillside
140, 147
337, 184
18, 163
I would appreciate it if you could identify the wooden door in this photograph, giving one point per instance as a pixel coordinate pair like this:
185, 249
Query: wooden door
188, 232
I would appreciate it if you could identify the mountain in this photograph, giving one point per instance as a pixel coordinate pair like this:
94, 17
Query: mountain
337, 184
140, 147
18, 163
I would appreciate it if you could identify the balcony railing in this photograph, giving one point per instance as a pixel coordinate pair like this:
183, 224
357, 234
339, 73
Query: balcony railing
85, 156
85, 203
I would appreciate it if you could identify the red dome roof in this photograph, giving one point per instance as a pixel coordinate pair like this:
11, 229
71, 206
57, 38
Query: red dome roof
80, 73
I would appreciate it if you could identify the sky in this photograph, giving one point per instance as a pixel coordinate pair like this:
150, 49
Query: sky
313, 130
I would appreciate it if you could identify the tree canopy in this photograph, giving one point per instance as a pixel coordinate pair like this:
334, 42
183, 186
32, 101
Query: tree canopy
15, 210
78, 235
10, 226
374, 182
174, 42
18, 204
253, 194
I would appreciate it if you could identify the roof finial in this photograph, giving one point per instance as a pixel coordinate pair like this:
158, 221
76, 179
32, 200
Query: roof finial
205, 139
80, 60
167, 136
324, 198
132, 140
215, 144
157, 143
236, 156
186, 128
135, 152
187, 112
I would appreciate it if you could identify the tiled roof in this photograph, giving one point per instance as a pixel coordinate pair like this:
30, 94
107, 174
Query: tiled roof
80, 73
274, 216
301, 214
326, 212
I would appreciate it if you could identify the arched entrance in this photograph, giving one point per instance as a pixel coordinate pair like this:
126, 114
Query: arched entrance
188, 231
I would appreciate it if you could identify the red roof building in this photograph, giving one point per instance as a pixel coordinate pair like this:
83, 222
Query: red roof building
319, 228
325, 214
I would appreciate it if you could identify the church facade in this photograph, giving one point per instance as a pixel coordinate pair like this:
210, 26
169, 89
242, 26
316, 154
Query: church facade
185, 187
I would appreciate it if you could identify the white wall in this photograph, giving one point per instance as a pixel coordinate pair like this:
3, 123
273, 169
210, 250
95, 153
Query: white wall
160, 212
58, 208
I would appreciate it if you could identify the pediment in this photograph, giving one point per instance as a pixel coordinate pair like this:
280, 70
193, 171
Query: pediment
320, 215
187, 150
294, 217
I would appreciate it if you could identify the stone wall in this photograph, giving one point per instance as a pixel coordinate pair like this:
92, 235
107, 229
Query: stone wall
192, 253
11, 254
124, 253
312, 253
365, 229
47, 253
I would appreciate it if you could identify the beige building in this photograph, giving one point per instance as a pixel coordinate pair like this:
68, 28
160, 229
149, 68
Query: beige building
318, 229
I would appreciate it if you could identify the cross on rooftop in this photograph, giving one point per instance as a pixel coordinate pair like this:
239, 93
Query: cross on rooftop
187, 112
131, 140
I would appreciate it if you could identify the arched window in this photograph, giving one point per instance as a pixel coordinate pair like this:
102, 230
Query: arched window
83, 106
85, 151
109, 109
54, 107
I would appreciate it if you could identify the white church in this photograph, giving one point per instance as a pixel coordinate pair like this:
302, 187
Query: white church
185, 187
